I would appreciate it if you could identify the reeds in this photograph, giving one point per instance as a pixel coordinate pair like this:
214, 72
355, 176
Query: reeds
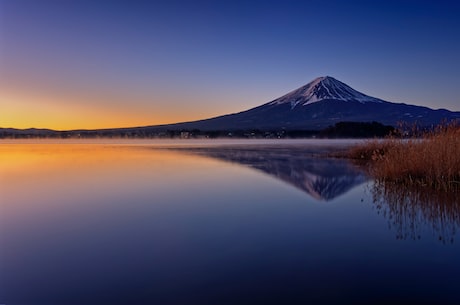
430, 159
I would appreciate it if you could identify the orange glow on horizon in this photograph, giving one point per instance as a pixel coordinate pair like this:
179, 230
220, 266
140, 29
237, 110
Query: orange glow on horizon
25, 110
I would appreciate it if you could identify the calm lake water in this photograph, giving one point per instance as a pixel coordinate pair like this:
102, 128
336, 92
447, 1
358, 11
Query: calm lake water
216, 222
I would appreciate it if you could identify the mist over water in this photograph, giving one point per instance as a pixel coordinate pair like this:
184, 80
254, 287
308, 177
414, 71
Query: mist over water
215, 222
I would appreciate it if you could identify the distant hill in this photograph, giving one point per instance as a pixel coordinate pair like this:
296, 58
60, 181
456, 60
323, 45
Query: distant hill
320, 104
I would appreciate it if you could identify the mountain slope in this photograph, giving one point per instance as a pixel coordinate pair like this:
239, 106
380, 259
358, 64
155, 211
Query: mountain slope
319, 104
323, 88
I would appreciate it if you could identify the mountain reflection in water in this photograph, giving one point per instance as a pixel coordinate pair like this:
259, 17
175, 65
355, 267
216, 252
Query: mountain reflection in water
304, 167
410, 210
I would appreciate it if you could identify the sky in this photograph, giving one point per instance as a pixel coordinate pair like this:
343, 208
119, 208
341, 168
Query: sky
102, 64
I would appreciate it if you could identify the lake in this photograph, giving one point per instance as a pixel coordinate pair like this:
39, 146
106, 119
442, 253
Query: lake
216, 222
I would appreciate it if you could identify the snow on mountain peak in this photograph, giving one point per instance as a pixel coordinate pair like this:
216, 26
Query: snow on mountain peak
323, 88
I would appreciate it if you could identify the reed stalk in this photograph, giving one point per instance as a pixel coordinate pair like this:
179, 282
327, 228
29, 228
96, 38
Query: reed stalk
430, 159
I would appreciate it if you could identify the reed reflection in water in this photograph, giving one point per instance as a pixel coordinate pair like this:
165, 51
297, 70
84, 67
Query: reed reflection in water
412, 210
212, 224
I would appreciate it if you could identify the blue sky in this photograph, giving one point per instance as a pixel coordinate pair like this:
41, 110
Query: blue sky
90, 64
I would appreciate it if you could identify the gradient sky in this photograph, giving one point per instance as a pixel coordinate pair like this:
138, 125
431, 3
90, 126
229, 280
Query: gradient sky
92, 64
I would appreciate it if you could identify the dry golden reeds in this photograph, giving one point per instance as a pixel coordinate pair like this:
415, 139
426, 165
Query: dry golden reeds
431, 159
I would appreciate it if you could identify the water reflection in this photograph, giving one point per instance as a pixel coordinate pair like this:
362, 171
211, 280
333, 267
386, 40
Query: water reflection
304, 167
412, 210
127, 224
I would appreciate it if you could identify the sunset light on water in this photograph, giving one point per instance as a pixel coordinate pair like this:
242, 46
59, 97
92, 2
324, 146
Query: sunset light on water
229, 152
158, 219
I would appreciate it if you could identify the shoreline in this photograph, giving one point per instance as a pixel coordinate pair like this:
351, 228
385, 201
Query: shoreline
430, 161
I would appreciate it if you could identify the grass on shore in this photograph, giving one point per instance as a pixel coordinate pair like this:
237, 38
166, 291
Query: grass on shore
431, 160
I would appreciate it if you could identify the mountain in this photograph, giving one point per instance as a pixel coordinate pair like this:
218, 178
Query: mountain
319, 104
322, 178
323, 88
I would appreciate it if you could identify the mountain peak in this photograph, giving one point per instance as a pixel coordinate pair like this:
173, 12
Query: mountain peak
323, 88
321, 78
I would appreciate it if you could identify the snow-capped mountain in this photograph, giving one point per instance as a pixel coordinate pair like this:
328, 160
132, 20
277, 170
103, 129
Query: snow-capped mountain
319, 104
323, 102
323, 88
